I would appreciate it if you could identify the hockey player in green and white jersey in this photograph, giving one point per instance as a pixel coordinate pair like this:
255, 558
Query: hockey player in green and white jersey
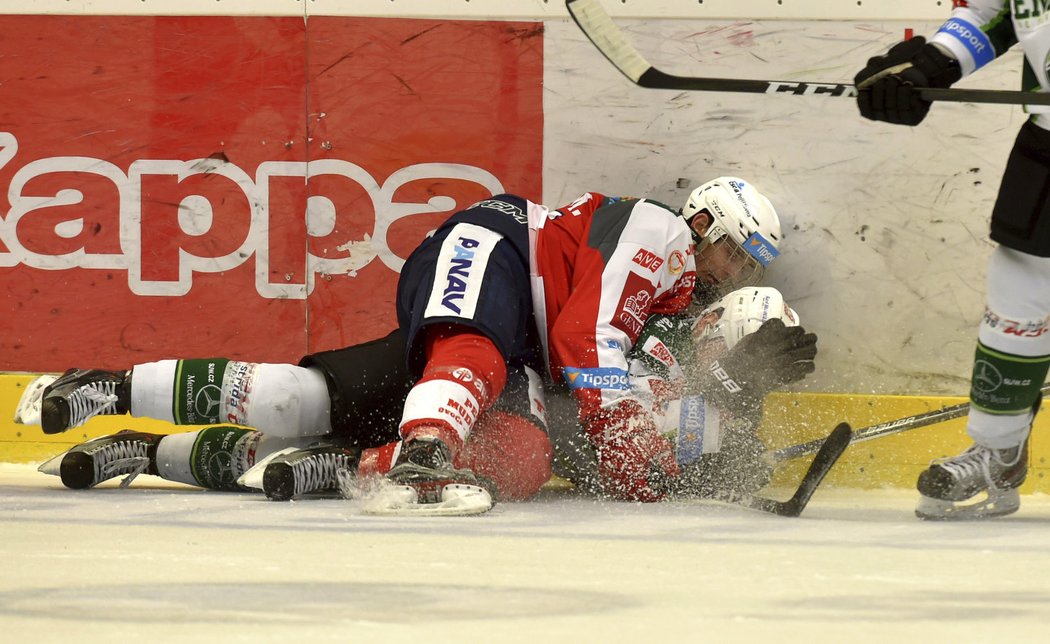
1013, 343
683, 371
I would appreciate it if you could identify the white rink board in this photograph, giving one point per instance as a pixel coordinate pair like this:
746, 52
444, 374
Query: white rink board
173, 564
886, 226
886, 236
499, 9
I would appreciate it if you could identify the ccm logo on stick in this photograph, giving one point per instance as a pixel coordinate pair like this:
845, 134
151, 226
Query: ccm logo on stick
779, 87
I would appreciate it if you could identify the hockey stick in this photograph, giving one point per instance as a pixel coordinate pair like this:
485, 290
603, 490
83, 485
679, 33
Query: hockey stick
607, 37
831, 448
885, 429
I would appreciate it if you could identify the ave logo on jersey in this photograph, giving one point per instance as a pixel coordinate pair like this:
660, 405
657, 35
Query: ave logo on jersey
649, 260
596, 378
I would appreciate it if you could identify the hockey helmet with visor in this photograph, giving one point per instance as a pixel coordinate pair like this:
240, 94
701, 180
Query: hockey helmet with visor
741, 239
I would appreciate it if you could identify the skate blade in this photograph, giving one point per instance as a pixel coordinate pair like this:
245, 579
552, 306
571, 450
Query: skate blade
52, 466
253, 477
457, 500
28, 410
997, 504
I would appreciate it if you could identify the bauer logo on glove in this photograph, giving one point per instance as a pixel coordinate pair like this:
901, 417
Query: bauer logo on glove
762, 347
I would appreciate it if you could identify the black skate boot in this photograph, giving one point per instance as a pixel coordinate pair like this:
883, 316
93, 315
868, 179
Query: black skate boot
88, 464
425, 464
82, 394
949, 483
423, 481
988, 477
306, 470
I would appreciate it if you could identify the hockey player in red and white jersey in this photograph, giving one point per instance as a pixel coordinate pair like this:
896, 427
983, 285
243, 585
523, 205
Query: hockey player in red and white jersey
503, 288
1013, 347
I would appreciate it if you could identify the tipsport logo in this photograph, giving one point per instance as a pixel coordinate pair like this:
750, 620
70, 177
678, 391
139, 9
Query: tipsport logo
759, 247
689, 444
596, 378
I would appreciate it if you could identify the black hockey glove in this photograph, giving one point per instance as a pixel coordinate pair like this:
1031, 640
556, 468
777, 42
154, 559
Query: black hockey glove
773, 356
888, 86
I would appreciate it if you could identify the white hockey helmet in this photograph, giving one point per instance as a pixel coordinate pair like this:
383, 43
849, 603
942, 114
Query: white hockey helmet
740, 214
741, 313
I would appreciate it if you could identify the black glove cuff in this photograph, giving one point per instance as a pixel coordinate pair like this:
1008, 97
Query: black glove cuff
940, 69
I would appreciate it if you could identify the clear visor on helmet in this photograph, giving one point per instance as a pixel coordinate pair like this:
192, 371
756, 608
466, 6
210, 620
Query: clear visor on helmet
722, 265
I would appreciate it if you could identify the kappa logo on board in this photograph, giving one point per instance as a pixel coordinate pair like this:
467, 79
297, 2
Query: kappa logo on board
199, 189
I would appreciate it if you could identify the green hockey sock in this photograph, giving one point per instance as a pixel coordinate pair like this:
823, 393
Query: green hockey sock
198, 391
1006, 384
220, 455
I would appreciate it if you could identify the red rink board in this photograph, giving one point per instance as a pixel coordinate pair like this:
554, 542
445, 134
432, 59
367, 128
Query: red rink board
156, 174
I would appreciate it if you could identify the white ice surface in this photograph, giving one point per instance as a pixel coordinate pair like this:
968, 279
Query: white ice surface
164, 563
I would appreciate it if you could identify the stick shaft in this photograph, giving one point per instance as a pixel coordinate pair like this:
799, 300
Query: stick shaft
610, 40
885, 429
655, 79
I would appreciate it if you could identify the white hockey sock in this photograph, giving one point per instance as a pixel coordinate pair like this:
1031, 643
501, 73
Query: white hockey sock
1014, 347
279, 399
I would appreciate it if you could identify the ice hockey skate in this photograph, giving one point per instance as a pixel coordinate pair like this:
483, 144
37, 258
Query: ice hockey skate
27, 412
424, 483
979, 483
294, 472
88, 464
79, 395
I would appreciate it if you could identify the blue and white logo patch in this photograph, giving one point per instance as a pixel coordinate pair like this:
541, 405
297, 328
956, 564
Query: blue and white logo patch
689, 446
972, 38
460, 271
596, 378
759, 247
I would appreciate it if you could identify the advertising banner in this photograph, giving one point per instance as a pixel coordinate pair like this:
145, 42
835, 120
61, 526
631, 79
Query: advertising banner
242, 187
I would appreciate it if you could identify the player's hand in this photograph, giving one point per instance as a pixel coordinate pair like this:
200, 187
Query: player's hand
888, 86
769, 358
635, 462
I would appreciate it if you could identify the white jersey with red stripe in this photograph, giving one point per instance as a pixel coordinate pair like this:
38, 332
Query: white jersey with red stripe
600, 266
979, 31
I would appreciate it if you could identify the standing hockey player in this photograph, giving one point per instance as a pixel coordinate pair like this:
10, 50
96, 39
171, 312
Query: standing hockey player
1013, 345
503, 284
